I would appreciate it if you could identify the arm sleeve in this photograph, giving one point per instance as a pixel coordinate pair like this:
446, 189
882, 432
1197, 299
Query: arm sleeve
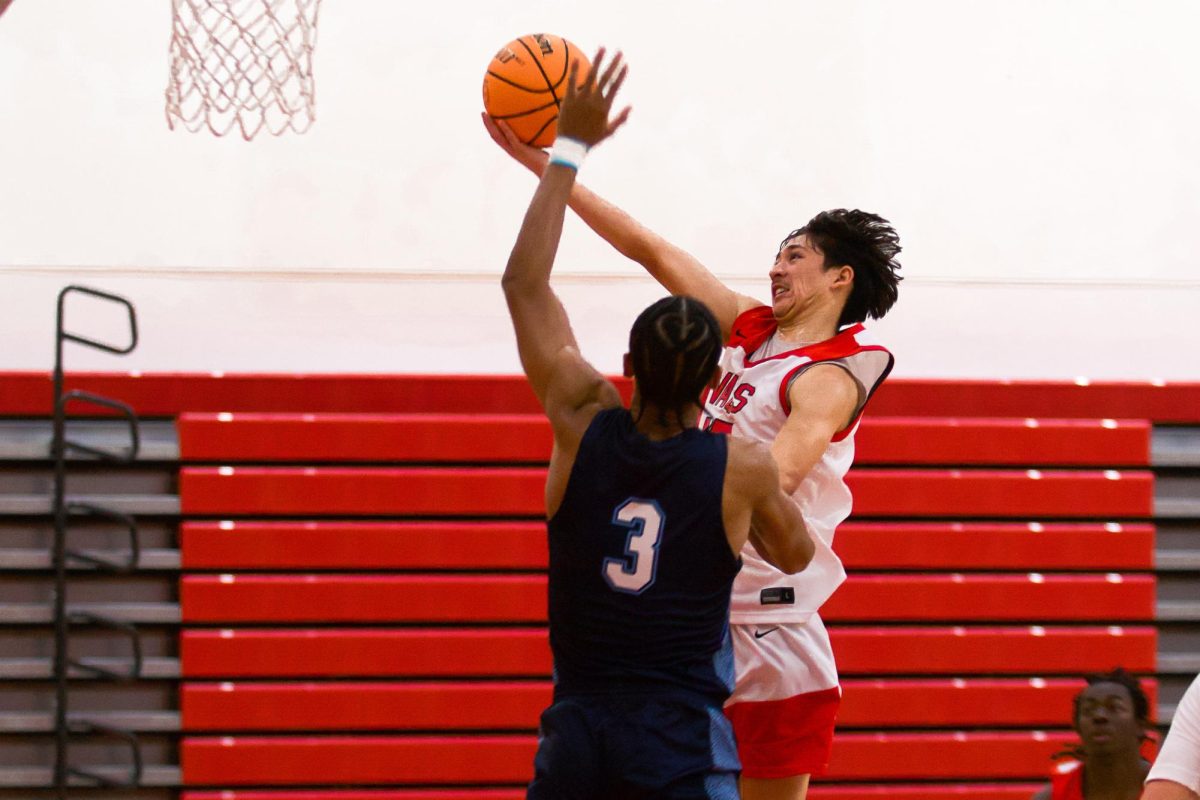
1179, 759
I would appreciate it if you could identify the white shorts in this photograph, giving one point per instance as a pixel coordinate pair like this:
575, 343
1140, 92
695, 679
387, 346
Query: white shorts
774, 662
786, 699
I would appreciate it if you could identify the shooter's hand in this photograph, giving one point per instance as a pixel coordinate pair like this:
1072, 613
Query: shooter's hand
528, 156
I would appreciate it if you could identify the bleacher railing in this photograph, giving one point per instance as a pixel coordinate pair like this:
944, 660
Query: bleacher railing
65, 510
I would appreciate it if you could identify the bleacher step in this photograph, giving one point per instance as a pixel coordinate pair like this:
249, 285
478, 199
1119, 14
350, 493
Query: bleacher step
1177, 560
1175, 447
1176, 496
43, 668
30, 559
30, 440
153, 775
136, 504
1186, 663
138, 721
1178, 611
136, 613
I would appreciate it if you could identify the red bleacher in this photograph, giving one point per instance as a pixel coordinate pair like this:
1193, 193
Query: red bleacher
491, 758
1002, 544
524, 651
893, 791
506, 705
525, 437
518, 491
522, 598
339, 544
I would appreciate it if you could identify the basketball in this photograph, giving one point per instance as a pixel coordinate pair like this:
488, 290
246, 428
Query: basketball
526, 81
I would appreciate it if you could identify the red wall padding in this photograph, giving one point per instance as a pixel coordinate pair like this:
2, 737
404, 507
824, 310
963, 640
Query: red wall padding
169, 394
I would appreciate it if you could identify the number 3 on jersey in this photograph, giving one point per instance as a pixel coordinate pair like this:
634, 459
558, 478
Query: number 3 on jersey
634, 573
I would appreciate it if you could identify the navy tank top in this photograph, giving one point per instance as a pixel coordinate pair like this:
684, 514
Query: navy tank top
640, 567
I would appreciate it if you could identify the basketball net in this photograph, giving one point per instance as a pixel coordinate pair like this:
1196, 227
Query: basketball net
242, 62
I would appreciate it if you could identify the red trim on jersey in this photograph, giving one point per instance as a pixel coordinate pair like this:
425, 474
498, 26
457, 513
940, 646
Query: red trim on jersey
784, 738
752, 328
1066, 782
844, 432
719, 426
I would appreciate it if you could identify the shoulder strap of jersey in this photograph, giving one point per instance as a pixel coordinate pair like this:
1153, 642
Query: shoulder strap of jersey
1066, 781
752, 328
848, 343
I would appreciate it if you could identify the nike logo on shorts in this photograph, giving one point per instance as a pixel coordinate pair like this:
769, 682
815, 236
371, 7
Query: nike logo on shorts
760, 634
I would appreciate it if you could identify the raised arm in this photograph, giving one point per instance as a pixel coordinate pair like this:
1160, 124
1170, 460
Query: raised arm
678, 271
564, 382
773, 522
822, 399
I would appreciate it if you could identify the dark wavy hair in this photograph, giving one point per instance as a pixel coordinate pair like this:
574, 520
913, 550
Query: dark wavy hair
868, 243
674, 346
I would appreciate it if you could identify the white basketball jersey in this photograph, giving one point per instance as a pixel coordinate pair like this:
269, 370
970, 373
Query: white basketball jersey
751, 402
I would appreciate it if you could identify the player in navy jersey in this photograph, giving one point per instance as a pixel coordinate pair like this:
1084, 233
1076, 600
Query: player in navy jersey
647, 515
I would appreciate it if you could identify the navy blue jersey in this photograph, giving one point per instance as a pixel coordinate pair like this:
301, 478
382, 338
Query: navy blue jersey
640, 567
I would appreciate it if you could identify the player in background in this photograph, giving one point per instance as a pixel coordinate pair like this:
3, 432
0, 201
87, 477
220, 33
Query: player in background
1176, 771
798, 374
646, 517
1111, 715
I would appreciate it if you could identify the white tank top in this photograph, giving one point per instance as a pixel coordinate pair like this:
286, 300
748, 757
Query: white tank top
751, 402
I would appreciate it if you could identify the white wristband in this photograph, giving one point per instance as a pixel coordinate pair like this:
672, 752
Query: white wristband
568, 152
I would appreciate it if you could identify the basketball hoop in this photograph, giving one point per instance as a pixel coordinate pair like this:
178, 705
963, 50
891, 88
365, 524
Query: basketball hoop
242, 62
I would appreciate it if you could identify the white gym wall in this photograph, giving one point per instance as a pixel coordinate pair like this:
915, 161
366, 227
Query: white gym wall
1041, 161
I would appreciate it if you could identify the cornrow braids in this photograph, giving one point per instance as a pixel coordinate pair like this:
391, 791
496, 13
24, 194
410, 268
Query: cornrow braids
868, 243
674, 345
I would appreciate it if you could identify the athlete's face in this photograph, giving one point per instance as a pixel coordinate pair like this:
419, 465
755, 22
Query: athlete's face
1107, 722
799, 279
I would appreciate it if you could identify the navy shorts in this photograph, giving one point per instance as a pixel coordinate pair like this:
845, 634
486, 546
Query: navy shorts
634, 746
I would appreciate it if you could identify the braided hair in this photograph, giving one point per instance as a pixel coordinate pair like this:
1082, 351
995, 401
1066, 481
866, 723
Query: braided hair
674, 346
1141, 705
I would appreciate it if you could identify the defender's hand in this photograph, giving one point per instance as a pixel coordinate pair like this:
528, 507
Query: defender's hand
585, 110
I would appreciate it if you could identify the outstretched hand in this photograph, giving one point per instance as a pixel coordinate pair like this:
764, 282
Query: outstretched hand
584, 114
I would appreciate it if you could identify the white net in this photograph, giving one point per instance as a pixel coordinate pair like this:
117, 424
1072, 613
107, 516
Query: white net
242, 62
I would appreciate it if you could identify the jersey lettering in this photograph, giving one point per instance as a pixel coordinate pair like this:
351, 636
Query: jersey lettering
634, 573
741, 395
720, 395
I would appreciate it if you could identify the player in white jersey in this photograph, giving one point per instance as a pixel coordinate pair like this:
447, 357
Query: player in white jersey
798, 374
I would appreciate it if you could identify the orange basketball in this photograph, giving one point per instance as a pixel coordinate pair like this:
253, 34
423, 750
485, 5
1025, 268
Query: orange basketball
526, 82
